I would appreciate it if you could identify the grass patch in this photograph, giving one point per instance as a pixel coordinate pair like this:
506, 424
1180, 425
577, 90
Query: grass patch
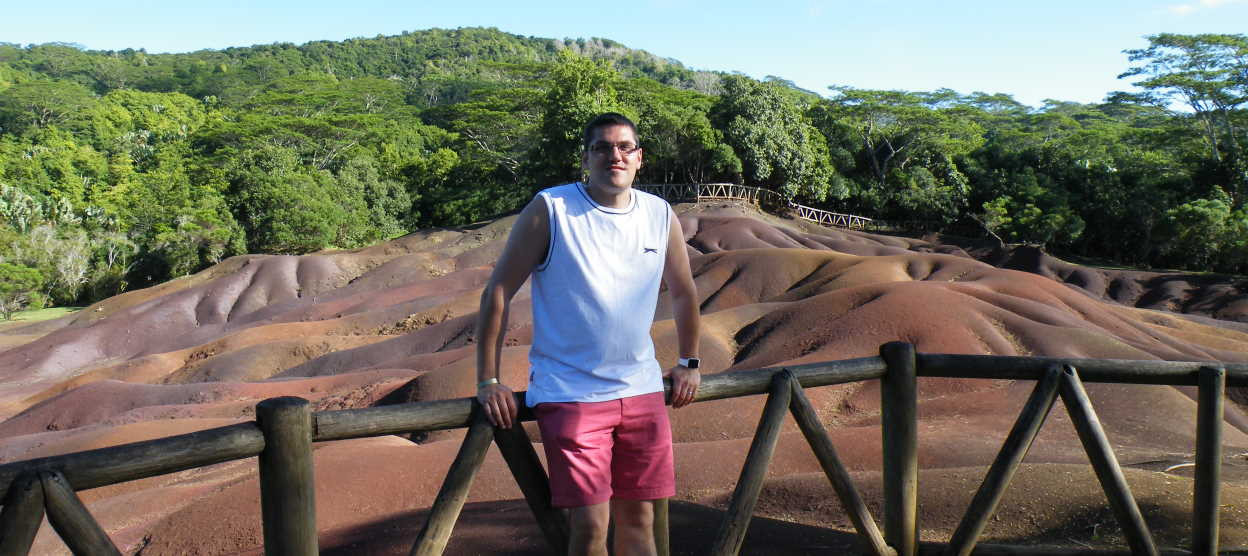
43, 314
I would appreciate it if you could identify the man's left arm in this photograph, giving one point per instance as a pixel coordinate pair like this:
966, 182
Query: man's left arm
679, 281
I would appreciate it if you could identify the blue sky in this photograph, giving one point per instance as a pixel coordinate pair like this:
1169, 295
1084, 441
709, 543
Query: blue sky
1061, 49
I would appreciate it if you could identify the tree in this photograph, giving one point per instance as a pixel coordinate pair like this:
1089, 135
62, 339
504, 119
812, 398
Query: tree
317, 94
158, 117
288, 208
580, 89
112, 73
19, 210
681, 144
294, 213
40, 104
113, 253
1198, 230
906, 146
62, 256
1209, 74
1037, 212
497, 129
777, 145
188, 158
17, 284
387, 200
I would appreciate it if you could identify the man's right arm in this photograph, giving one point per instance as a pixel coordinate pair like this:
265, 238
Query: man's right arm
526, 248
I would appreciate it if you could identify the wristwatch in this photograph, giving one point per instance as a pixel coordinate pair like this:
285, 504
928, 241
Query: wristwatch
689, 362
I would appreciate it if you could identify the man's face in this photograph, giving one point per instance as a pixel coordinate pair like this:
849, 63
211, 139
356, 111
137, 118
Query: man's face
608, 161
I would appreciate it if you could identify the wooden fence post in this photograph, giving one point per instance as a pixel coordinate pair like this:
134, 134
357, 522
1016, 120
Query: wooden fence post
67, 514
745, 495
450, 500
287, 484
898, 415
1209, 415
662, 529
1013, 450
1108, 472
22, 515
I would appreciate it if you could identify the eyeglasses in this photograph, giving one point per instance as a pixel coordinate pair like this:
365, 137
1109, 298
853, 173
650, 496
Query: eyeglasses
604, 149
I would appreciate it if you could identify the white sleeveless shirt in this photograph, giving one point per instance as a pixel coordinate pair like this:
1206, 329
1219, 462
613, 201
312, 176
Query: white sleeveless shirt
594, 298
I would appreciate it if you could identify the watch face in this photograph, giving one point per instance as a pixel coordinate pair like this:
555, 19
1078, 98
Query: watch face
690, 362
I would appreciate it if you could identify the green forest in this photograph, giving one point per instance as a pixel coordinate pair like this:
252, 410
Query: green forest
123, 169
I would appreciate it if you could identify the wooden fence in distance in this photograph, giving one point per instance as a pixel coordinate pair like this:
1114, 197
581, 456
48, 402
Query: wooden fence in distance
758, 196
285, 429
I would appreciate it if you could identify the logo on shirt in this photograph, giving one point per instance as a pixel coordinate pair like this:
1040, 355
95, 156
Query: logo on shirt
645, 250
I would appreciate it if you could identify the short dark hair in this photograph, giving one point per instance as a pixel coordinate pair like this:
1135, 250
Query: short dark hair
607, 119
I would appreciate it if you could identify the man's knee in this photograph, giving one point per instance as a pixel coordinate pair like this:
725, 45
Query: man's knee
633, 514
590, 522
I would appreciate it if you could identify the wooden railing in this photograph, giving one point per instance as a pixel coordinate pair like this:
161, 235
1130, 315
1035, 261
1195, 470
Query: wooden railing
759, 196
833, 219
694, 192
285, 428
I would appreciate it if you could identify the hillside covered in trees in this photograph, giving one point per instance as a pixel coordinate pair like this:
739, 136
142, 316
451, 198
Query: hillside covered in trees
123, 169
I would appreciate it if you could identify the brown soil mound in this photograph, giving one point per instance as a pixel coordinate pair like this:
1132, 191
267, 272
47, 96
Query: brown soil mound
394, 323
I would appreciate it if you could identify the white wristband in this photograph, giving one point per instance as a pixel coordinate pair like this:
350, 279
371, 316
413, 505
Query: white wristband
486, 382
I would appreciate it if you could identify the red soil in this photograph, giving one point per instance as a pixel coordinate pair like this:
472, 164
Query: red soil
394, 323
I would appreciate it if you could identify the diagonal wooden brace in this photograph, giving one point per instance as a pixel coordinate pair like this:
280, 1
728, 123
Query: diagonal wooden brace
450, 500
67, 514
1108, 472
526, 468
842, 483
732, 530
22, 515
1013, 450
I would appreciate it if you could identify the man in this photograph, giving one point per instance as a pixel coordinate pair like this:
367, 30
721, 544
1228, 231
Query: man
597, 252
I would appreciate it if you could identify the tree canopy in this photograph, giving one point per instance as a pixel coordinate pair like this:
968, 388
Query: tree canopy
120, 169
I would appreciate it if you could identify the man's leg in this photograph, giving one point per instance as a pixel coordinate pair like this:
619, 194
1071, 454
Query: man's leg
587, 530
634, 527
577, 439
642, 470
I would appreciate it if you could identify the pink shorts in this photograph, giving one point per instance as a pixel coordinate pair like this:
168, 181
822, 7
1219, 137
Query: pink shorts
597, 451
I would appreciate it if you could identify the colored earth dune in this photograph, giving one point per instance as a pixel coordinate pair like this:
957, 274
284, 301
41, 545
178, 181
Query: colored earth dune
394, 323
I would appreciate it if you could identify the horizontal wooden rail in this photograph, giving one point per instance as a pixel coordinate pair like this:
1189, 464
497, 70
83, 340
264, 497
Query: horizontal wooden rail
139, 460
391, 419
756, 381
128, 462
1128, 371
452, 414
